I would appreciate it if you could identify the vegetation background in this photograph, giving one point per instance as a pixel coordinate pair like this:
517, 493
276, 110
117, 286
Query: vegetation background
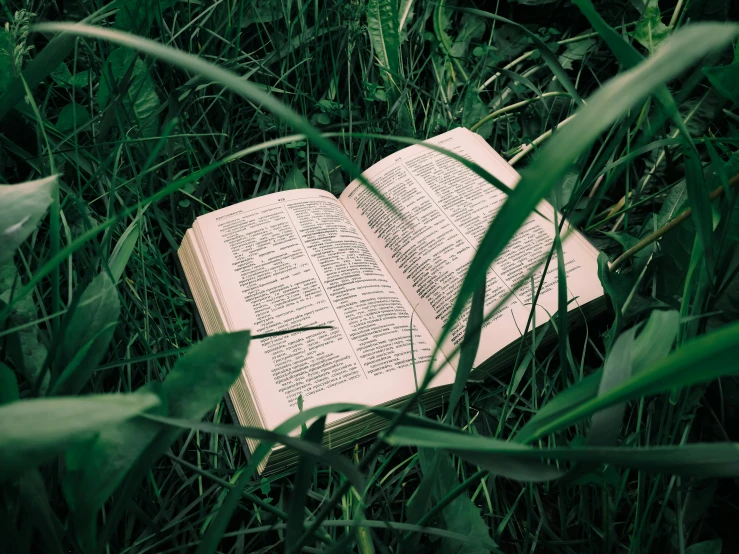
115, 135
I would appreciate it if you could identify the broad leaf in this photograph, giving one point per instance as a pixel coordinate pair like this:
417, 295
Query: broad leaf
295, 180
139, 99
706, 547
23, 347
21, 208
64, 77
628, 356
475, 110
461, 515
382, 24
34, 431
701, 360
575, 52
725, 79
606, 424
72, 116
195, 385
327, 175
651, 32
87, 336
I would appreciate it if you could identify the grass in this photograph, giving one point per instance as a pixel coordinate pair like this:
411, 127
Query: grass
612, 440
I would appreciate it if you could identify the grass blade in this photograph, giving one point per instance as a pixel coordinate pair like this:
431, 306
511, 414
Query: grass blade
470, 345
703, 359
604, 108
303, 479
123, 250
224, 77
700, 460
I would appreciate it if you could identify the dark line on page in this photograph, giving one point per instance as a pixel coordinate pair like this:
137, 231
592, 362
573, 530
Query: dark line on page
310, 260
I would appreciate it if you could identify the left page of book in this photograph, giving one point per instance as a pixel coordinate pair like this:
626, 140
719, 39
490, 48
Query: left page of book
295, 259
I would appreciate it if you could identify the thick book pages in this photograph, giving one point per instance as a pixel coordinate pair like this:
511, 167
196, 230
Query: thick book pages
303, 258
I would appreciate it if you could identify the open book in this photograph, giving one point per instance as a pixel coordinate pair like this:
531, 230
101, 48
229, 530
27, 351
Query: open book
302, 258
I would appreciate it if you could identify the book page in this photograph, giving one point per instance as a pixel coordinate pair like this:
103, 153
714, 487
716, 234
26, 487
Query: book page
446, 210
295, 259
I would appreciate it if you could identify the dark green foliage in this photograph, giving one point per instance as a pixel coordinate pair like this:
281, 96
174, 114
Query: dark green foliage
118, 133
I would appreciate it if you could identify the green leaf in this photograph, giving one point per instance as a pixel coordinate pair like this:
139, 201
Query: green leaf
706, 547
650, 31
630, 58
34, 431
123, 249
655, 340
70, 115
82, 79
461, 515
139, 99
673, 204
604, 107
701, 206
63, 76
474, 110
195, 385
575, 52
21, 208
606, 424
217, 528
135, 16
23, 346
382, 24
303, 481
295, 180
725, 79
509, 41
630, 355
327, 175
87, 335
706, 358
547, 55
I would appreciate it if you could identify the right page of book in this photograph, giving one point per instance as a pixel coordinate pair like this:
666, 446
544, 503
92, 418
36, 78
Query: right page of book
446, 209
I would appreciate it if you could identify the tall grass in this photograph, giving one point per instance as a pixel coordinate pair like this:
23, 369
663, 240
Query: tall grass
117, 132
